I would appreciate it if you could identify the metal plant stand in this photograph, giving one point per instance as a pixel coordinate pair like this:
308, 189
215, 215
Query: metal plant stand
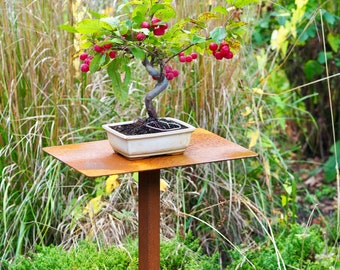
97, 158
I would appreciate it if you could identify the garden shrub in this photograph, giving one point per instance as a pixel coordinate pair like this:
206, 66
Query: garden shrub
300, 248
175, 255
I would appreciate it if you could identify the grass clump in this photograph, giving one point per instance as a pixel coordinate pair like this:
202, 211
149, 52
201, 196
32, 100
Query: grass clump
175, 254
300, 247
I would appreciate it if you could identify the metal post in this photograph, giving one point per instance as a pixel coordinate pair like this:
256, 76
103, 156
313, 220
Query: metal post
149, 220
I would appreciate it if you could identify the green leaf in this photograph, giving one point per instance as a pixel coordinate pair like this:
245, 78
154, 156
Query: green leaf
335, 146
97, 15
197, 39
138, 53
322, 58
206, 16
288, 188
221, 10
112, 21
120, 83
97, 61
68, 28
330, 18
88, 26
218, 34
329, 165
312, 68
165, 13
139, 13
329, 169
334, 41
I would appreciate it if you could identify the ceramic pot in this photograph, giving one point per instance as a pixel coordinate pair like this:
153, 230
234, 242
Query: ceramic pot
154, 144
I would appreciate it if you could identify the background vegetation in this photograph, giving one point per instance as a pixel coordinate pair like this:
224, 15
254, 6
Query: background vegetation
279, 97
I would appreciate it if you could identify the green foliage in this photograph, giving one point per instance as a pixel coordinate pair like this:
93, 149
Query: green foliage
121, 33
330, 167
304, 35
175, 255
300, 247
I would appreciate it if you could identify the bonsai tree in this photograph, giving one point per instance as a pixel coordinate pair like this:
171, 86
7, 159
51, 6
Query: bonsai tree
140, 31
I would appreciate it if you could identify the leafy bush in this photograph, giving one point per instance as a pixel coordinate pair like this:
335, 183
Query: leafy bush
297, 248
174, 255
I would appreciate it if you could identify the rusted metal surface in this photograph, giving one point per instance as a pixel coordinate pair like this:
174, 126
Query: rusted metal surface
148, 220
98, 159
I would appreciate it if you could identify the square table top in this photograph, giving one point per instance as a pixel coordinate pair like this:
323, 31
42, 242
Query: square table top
97, 158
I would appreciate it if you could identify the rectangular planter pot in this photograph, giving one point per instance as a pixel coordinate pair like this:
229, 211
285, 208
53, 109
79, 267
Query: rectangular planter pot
140, 146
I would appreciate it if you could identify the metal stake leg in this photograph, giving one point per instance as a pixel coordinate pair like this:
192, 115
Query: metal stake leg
149, 220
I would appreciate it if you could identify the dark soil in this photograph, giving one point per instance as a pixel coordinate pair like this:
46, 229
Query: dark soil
148, 126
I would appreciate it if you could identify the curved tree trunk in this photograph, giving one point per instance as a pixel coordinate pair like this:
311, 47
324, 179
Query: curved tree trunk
161, 85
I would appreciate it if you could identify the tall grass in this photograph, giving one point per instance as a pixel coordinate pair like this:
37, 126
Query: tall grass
45, 101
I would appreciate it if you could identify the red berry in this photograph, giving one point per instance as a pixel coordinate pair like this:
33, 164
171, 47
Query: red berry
167, 69
164, 26
83, 56
182, 58
159, 31
175, 72
181, 54
145, 25
188, 58
170, 76
194, 55
87, 61
223, 43
107, 46
218, 55
228, 55
213, 46
140, 36
112, 54
84, 67
98, 48
155, 21
225, 48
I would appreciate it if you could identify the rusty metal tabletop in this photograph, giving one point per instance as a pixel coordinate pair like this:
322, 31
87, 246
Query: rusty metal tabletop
97, 158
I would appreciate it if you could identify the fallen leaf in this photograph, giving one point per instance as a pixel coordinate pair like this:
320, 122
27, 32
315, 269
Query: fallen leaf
163, 185
112, 182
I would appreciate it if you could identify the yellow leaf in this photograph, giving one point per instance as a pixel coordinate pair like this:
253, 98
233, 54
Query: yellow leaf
163, 185
301, 3
254, 135
279, 39
93, 206
260, 113
112, 182
258, 91
246, 112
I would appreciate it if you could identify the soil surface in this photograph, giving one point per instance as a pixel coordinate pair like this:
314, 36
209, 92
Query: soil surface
148, 126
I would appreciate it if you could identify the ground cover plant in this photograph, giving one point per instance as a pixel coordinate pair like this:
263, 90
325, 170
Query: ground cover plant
175, 255
235, 209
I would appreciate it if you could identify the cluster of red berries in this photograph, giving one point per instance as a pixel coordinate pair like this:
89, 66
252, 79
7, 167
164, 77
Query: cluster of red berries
187, 58
221, 51
170, 73
157, 27
86, 58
